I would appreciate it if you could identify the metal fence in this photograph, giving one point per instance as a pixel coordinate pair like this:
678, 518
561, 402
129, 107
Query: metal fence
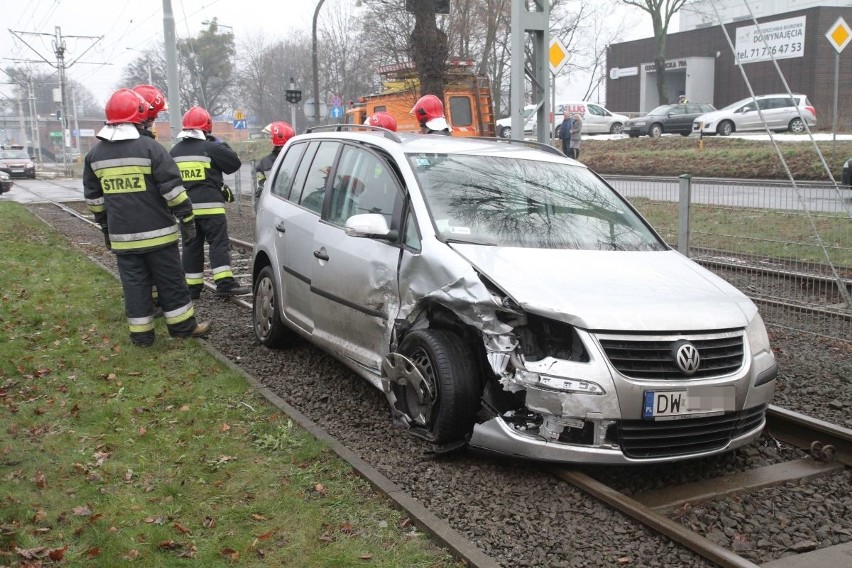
788, 248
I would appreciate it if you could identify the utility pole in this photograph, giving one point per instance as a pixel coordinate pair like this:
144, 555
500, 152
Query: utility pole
171, 69
36, 133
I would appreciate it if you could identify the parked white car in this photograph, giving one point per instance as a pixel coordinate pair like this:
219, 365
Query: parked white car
779, 112
503, 296
596, 119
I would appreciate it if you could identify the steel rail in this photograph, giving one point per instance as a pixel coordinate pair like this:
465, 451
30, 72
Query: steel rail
824, 440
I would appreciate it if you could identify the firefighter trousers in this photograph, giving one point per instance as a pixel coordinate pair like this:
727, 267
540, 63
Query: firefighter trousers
160, 268
212, 229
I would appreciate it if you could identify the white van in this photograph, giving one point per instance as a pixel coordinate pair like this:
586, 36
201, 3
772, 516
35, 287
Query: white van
596, 119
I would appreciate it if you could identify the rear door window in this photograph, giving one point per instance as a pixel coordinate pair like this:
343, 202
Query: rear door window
363, 183
316, 180
287, 171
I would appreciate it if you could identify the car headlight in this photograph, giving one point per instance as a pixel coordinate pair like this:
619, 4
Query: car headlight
4, 176
758, 339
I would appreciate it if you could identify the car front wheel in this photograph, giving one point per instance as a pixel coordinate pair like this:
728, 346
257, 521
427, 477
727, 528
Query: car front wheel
725, 128
797, 126
655, 131
446, 403
266, 318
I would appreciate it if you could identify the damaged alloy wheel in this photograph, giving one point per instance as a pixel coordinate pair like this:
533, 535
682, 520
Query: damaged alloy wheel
446, 400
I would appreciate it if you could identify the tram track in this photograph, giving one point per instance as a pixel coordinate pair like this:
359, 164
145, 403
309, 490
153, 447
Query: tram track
718, 555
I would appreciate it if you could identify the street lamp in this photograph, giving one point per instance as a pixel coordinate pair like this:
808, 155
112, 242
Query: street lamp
147, 63
316, 65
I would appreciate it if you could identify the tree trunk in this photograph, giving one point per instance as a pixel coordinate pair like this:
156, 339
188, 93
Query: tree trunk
429, 48
660, 58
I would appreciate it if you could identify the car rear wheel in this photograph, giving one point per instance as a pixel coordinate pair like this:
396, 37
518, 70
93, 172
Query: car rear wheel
616, 128
797, 126
506, 132
725, 128
266, 319
655, 131
446, 405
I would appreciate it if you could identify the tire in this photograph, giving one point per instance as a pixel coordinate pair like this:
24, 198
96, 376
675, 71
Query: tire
725, 128
797, 126
265, 315
616, 128
448, 366
506, 132
655, 131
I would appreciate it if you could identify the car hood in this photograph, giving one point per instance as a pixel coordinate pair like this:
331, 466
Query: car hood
613, 290
712, 116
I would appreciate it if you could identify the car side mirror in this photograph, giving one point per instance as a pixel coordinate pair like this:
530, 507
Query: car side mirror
370, 226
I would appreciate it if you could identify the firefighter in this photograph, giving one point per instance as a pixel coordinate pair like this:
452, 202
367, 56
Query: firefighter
383, 120
134, 189
279, 133
157, 101
202, 160
429, 111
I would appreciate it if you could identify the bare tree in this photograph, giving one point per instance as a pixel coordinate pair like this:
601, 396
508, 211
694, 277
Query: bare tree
207, 66
661, 12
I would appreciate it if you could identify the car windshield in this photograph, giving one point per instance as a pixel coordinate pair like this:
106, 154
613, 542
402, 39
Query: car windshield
662, 109
14, 155
501, 201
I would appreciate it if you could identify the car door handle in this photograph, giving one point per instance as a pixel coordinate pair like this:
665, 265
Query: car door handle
321, 254
279, 226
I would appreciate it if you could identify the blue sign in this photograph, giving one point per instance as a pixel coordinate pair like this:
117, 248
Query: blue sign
336, 111
240, 124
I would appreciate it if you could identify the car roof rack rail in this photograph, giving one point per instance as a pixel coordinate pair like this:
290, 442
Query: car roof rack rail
530, 143
341, 127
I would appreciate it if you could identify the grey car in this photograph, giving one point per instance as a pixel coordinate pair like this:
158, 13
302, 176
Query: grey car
504, 297
780, 112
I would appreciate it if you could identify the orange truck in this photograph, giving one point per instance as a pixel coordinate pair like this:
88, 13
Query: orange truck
468, 105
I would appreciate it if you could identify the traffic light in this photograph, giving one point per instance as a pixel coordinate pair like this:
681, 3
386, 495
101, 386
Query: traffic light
58, 114
293, 95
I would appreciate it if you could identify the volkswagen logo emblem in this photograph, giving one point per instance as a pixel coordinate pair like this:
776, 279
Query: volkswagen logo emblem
687, 358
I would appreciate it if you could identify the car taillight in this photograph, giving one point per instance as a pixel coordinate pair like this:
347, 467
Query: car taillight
812, 110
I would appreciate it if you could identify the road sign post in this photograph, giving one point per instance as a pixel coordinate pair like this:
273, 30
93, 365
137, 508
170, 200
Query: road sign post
558, 57
838, 35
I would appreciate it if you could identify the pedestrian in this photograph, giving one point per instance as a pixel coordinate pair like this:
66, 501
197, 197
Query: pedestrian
576, 128
134, 189
382, 119
429, 111
203, 160
279, 132
565, 133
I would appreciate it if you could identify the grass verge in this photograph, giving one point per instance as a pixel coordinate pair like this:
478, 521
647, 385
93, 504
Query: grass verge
162, 456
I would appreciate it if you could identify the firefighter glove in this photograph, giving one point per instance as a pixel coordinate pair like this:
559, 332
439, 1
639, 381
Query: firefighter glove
105, 231
187, 231
227, 194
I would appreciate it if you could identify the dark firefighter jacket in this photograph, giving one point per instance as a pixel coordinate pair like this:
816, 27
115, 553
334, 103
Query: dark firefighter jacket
134, 188
202, 163
263, 167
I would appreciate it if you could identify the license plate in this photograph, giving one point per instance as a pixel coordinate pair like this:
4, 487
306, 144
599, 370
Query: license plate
703, 401
17, 170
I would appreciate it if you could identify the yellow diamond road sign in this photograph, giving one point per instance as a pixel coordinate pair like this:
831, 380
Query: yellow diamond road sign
558, 55
839, 34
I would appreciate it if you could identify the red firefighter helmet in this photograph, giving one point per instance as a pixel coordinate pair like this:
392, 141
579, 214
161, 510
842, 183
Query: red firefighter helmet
197, 117
126, 105
155, 98
429, 111
382, 119
280, 132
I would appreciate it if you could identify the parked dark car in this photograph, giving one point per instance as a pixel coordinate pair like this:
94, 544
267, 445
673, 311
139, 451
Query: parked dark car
846, 176
17, 163
5, 182
667, 119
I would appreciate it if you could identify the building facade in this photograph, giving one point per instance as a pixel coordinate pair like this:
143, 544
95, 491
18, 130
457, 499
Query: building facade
704, 65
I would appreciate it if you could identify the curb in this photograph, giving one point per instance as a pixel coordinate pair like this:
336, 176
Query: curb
459, 547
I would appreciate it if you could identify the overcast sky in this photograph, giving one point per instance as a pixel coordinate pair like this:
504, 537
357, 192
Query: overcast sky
128, 25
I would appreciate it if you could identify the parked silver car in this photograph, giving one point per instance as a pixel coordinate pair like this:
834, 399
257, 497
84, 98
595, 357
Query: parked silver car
779, 111
504, 297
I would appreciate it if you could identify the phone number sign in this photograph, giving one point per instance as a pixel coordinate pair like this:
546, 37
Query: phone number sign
781, 39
